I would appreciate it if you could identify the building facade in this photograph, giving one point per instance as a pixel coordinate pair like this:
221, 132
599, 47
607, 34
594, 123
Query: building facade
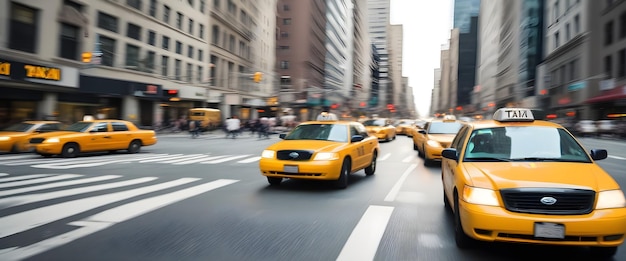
484, 95
379, 17
395, 61
362, 61
466, 20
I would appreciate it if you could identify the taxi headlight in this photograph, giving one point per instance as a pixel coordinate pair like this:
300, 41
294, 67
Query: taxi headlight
480, 196
611, 199
5, 138
52, 140
326, 156
433, 143
268, 154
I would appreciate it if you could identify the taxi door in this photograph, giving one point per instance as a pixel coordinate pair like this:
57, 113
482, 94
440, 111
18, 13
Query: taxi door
449, 167
120, 136
420, 138
366, 146
99, 138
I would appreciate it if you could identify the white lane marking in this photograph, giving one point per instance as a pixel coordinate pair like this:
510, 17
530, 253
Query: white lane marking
63, 160
24, 177
384, 157
396, 188
253, 159
187, 157
224, 159
365, 238
17, 157
20, 222
4, 174
173, 156
430, 240
616, 157
110, 217
198, 160
92, 163
56, 185
408, 158
41, 180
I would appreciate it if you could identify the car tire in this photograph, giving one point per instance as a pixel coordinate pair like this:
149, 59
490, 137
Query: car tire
274, 181
415, 148
70, 150
134, 146
461, 239
342, 181
15, 149
45, 155
371, 169
427, 161
446, 203
603, 253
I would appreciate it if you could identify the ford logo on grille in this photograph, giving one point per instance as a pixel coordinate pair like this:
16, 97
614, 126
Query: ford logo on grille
294, 155
548, 200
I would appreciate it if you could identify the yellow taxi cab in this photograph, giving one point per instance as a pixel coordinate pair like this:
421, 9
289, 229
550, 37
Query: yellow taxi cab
325, 149
15, 137
92, 136
517, 179
381, 128
434, 137
404, 126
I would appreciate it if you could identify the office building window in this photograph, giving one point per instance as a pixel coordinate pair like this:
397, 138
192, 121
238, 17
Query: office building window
212, 69
556, 40
576, 24
151, 38
215, 36
177, 69
107, 46
107, 22
69, 42
202, 6
231, 43
73, 4
622, 25
133, 31
568, 36
190, 51
216, 4
23, 28
284, 65
132, 56
285, 7
201, 31
200, 74
608, 66
153, 8
149, 62
284, 34
200, 55
621, 63
179, 47
190, 26
165, 43
179, 20
232, 8
166, 14
608, 33
189, 73
190, 2
286, 21
164, 65
134, 4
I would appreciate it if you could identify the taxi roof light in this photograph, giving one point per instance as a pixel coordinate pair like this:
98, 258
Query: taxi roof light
449, 118
326, 116
513, 115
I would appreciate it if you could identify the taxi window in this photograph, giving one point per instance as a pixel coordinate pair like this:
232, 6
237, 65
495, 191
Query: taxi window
101, 127
329, 132
119, 126
354, 131
444, 127
377, 122
362, 130
48, 127
524, 144
456, 143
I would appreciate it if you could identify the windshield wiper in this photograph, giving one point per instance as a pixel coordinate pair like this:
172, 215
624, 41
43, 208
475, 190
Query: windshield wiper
547, 159
487, 159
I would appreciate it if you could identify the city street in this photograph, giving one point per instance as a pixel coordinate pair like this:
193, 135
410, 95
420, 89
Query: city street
204, 199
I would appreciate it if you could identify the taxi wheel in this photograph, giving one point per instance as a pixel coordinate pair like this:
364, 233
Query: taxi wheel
446, 203
603, 252
14, 149
420, 153
134, 146
371, 169
461, 239
342, 181
70, 150
274, 181
415, 148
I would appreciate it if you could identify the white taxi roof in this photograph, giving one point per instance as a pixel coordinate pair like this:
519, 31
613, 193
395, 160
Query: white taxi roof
513, 115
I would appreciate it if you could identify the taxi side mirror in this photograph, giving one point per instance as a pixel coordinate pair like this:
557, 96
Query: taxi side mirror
450, 154
599, 154
357, 138
282, 135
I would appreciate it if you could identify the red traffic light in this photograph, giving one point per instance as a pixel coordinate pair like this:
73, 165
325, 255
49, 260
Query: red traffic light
334, 106
390, 106
362, 104
172, 92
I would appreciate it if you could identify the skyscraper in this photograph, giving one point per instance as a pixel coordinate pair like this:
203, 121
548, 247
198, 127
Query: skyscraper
463, 12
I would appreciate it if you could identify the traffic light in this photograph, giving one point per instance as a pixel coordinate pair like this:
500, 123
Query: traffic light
258, 76
171, 95
86, 57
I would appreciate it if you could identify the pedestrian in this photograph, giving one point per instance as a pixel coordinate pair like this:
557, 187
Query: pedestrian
233, 125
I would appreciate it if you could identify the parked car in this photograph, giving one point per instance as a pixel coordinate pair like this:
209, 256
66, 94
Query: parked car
606, 127
586, 128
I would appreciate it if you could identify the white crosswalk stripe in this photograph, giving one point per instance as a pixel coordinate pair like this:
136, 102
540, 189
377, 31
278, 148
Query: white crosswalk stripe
30, 218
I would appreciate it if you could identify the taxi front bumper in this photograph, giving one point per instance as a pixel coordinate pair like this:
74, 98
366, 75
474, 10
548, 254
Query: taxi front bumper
6, 146
313, 169
605, 227
48, 148
379, 135
433, 153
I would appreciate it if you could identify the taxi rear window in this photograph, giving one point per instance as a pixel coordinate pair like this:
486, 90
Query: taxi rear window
328, 132
444, 127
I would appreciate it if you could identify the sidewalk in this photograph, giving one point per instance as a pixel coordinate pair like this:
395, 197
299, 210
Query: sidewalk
211, 135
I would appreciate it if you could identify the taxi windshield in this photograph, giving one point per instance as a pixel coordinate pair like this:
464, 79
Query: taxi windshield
378, 122
19, 127
80, 126
526, 143
328, 132
405, 123
444, 127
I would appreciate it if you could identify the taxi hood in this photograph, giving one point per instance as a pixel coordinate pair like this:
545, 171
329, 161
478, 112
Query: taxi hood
503, 175
315, 145
13, 133
442, 138
58, 134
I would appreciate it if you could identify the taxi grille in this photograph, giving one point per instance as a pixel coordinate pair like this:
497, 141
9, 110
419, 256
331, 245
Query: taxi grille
302, 154
568, 201
36, 140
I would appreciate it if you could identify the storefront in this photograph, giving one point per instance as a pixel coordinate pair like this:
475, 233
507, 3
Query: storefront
609, 102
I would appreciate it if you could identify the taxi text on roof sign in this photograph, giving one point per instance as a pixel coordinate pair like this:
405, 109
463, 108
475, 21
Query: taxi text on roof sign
513, 114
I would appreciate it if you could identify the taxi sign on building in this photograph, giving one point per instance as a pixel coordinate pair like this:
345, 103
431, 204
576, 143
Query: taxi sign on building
513, 114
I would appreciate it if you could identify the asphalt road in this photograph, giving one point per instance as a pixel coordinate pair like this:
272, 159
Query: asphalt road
204, 199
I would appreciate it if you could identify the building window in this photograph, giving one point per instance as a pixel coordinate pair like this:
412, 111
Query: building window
134, 4
190, 26
286, 21
232, 8
151, 38
556, 40
556, 11
177, 64
572, 70
285, 7
212, 69
189, 73
201, 31
73, 4
284, 34
23, 28
285, 80
164, 65
283, 47
608, 66
231, 43
179, 20
216, 4
576, 24
166, 14
568, 35
107, 46
69, 42
608, 33
202, 6
284, 65
199, 78
179, 47
190, 51
200, 55
133, 31
215, 37
242, 47
132, 56
621, 63
622, 25
165, 43
243, 17
107, 22
190, 2
149, 62
153, 8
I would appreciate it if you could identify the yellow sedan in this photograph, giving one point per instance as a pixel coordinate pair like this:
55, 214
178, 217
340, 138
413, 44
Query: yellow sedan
517, 179
15, 137
92, 136
404, 127
381, 128
321, 150
436, 135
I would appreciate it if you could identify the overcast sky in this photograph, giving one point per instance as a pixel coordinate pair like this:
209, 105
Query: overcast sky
426, 26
